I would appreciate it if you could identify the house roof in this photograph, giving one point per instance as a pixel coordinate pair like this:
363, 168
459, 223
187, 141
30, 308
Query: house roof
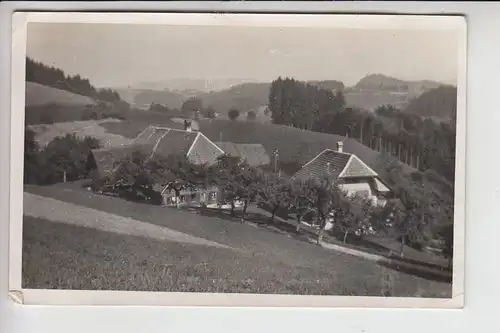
335, 164
253, 153
105, 158
157, 142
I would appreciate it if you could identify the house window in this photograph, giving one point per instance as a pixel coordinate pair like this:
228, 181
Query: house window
364, 194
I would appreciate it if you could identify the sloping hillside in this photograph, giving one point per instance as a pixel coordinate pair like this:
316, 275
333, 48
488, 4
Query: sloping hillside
243, 97
38, 95
47, 132
440, 102
293, 144
296, 147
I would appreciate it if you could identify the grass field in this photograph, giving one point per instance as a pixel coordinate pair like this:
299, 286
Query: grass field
294, 145
47, 132
37, 94
58, 255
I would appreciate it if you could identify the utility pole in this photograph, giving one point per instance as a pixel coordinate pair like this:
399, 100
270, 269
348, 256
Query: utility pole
361, 132
275, 162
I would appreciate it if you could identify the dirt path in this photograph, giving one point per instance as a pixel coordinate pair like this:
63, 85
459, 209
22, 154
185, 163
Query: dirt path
59, 211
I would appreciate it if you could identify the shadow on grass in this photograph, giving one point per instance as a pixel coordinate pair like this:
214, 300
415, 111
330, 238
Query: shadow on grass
420, 268
415, 271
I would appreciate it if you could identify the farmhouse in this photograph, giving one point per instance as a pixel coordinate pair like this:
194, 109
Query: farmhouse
352, 174
155, 141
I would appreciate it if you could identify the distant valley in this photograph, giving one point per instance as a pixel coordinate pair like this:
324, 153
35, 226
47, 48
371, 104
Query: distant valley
369, 93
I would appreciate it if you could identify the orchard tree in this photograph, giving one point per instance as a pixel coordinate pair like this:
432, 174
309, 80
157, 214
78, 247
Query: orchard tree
276, 193
131, 171
237, 181
251, 115
353, 214
209, 112
192, 104
177, 173
233, 114
325, 198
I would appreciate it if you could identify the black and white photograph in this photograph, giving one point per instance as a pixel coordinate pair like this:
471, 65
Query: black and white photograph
242, 154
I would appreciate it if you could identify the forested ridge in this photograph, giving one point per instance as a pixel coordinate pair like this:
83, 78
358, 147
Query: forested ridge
57, 78
418, 141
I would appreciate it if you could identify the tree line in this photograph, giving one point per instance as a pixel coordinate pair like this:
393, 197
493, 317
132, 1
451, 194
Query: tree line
422, 143
194, 107
63, 159
418, 218
54, 77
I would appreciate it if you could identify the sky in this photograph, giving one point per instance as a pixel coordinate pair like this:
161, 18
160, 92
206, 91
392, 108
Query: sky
118, 55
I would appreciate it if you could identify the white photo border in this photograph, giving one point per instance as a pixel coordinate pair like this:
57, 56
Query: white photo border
364, 21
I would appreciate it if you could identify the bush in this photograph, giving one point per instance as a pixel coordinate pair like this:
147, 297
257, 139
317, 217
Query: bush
64, 155
233, 114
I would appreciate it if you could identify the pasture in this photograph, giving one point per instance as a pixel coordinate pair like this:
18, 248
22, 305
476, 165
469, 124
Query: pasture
65, 255
38, 94
296, 147
47, 132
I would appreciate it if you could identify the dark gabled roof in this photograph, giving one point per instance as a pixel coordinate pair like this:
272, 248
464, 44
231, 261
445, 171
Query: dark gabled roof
334, 164
157, 142
170, 142
105, 159
253, 153
317, 168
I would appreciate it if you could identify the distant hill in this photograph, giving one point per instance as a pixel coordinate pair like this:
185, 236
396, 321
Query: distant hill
375, 90
328, 85
440, 103
387, 83
369, 93
201, 85
39, 95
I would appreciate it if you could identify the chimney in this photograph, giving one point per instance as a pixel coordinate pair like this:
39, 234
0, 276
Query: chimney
340, 146
187, 126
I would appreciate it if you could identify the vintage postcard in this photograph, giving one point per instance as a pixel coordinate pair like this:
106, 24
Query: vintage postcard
238, 160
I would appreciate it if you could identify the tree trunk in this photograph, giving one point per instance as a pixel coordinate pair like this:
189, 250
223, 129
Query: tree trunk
320, 234
177, 196
273, 214
243, 213
297, 229
232, 208
345, 236
401, 249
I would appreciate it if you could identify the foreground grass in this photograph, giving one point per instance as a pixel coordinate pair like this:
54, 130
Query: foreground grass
61, 256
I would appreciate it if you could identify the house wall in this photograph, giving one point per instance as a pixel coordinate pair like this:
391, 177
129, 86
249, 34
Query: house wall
362, 187
191, 198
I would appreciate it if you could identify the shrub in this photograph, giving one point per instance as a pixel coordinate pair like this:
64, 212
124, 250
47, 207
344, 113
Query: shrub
64, 155
233, 114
